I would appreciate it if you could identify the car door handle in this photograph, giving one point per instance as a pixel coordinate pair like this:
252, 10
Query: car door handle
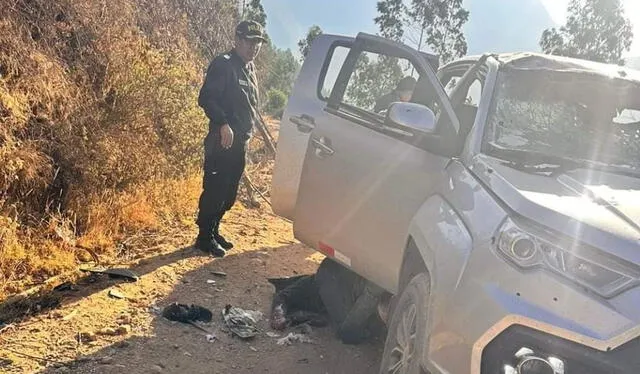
305, 123
322, 146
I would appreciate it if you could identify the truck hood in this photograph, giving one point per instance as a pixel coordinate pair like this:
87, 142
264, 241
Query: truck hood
599, 208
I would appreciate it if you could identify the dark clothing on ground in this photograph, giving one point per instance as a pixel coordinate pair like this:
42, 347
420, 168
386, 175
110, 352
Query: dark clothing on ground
229, 96
385, 101
349, 301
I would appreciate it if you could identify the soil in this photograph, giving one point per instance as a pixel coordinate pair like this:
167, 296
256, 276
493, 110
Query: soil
75, 337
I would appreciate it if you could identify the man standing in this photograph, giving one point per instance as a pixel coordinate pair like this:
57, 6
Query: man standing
229, 98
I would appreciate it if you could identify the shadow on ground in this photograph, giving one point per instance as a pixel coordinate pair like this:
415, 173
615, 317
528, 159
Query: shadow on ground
169, 347
15, 308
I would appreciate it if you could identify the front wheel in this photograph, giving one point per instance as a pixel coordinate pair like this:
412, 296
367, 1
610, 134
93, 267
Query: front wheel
407, 336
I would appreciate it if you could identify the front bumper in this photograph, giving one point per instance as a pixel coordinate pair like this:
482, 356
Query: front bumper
577, 358
496, 310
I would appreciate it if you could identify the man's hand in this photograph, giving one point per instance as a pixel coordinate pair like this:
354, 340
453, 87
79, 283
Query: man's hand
226, 136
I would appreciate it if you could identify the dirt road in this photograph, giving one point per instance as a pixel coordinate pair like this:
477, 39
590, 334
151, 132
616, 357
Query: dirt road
149, 343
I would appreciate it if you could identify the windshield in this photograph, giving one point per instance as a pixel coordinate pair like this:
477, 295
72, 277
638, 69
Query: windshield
573, 115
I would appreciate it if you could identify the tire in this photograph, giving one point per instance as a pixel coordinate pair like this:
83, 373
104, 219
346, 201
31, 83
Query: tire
408, 335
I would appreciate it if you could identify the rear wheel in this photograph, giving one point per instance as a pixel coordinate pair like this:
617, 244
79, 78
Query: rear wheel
407, 336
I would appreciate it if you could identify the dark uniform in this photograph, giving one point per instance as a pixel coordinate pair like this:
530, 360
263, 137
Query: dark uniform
348, 300
385, 101
229, 96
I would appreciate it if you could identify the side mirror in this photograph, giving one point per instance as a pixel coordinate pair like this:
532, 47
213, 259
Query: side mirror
414, 116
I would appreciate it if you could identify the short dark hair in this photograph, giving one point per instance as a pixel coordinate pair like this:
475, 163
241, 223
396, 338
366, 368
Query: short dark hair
406, 84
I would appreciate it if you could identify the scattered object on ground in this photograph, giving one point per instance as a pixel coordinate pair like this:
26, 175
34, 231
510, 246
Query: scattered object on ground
117, 294
253, 349
219, 273
123, 329
211, 338
86, 336
292, 338
243, 323
70, 315
187, 313
124, 319
305, 328
211, 281
118, 273
108, 331
5, 362
66, 286
303, 361
273, 334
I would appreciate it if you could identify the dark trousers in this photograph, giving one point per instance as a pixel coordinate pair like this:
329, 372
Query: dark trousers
223, 169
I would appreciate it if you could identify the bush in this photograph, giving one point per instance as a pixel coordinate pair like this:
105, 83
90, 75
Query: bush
97, 99
276, 102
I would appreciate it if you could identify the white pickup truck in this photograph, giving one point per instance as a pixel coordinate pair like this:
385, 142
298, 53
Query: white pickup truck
501, 205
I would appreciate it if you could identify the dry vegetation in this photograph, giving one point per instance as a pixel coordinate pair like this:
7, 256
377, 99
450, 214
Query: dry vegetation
100, 132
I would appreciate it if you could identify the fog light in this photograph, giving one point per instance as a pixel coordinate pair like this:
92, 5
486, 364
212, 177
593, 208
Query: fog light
535, 365
523, 248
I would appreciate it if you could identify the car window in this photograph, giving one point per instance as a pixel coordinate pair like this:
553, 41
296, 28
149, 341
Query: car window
468, 109
379, 80
334, 63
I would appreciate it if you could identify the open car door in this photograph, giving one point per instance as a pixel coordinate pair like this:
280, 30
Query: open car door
306, 102
364, 175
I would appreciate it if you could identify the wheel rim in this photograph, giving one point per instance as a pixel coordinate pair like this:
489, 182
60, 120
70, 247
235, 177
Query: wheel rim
403, 353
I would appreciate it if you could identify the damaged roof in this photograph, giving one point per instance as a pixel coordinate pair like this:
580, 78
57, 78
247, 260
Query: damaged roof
538, 61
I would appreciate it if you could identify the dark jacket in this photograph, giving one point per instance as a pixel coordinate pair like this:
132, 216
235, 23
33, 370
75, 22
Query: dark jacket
229, 94
385, 101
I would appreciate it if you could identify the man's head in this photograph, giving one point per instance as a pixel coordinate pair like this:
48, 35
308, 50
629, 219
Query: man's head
249, 39
405, 88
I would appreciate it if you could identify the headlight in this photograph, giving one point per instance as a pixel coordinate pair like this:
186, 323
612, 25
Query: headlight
583, 265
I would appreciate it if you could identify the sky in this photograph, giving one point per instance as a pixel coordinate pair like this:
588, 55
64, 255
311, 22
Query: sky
289, 20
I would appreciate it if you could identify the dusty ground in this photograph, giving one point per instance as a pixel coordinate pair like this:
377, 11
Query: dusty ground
265, 248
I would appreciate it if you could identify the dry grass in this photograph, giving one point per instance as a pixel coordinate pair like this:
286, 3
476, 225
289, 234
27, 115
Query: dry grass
100, 132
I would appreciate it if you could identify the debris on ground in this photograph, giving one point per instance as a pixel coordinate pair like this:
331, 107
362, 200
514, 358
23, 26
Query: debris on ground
187, 313
87, 336
273, 334
221, 274
117, 294
66, 286
292, 338
243, 323
123, 329
117, 273
5, 362
107, 331
211, 338
211, 281
70, 315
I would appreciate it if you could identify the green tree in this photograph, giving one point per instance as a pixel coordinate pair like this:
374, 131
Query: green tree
391, 18
305, 43
437, 22
276, 101
255, 11
372, 79
280, 70
596, 30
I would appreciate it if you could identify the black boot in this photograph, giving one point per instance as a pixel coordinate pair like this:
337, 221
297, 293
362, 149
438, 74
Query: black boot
224, 243
206, 243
